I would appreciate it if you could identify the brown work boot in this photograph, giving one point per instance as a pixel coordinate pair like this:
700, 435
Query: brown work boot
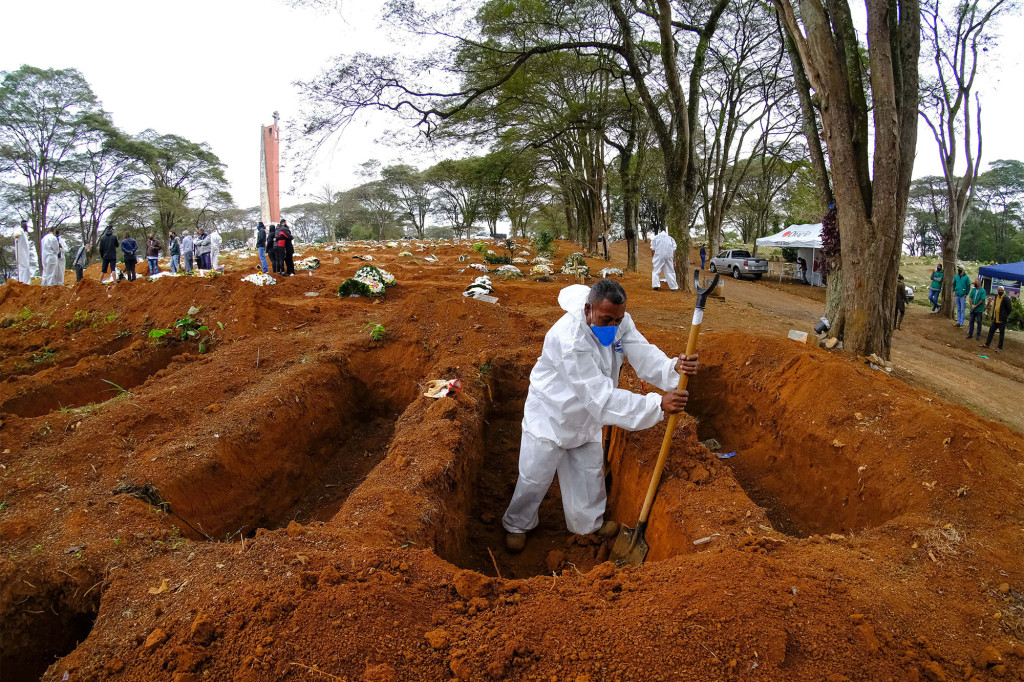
608, 529
514, 542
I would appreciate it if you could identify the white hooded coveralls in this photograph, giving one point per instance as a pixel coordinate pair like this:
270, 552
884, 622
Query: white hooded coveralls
53, 248
23, 253
662, 267
573, 393
215, 241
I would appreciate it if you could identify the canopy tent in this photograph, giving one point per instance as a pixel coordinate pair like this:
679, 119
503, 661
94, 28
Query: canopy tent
807, 240
1013, 272
795, 236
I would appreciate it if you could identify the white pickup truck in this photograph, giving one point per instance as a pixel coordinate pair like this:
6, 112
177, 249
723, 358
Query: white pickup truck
738, 262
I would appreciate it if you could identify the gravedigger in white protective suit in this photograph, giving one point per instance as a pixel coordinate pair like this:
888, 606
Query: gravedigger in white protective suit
215, 243
53, 249
573, 393
663, 249
24, 254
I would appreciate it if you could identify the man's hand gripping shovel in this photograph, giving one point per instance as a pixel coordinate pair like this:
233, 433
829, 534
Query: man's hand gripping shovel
631, 546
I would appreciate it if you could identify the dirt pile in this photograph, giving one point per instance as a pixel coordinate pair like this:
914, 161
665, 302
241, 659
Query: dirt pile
287, 505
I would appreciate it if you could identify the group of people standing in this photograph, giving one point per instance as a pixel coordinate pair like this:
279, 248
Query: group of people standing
52, 249
200, 251
276, 244
968, 293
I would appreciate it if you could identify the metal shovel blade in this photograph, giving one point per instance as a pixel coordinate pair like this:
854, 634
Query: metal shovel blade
630, 547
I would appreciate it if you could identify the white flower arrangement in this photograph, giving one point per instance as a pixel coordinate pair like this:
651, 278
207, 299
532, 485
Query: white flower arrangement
480, 286
479, 266
508, 271
259, 279
541, 270
576, 264
519, 261
311, 263
609, 272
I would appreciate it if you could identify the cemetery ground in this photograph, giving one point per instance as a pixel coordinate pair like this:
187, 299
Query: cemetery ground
288, 505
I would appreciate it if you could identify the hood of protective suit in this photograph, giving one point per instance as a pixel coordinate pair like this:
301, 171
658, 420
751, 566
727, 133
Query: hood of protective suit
572, 299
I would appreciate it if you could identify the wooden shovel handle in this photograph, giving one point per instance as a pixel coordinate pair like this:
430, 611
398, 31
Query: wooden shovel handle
666, 443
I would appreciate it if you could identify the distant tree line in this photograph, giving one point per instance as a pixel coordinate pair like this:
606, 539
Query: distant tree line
63, 163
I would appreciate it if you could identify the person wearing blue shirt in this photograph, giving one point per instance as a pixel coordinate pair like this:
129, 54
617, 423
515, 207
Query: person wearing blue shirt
130, 249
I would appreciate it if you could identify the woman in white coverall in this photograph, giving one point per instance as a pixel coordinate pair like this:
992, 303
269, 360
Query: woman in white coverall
663, 249
53, 248
573, 393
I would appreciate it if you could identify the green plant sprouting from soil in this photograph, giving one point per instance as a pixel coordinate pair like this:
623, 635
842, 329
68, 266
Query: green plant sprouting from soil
45, 355
377, 331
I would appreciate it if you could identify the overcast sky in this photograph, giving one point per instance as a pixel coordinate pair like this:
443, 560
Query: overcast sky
216, 70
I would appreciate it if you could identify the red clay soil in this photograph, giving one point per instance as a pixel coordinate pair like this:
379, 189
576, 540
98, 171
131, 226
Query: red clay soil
286, 505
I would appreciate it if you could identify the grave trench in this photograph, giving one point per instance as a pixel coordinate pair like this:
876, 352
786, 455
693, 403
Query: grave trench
805, 485
52, 619
301, 465
489, 490
69, 387
44, 624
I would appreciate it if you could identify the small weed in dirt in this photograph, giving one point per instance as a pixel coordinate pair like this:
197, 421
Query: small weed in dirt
45, 430
79, 321
24, 315
377, 331
119, 390
483, 374
3, 505
45, 355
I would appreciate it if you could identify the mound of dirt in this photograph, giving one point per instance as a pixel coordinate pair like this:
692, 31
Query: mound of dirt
274, 498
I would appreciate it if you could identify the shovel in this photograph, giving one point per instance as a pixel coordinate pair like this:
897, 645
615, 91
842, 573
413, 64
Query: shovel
630, 546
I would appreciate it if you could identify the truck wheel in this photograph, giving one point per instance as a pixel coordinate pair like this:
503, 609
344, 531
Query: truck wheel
736, 272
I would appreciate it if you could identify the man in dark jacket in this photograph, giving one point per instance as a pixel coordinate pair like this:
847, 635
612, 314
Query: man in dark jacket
289, 249
261, 244
901, 300
284, 250
153, 250
108, 253
1000, 313
272, 248
130, 248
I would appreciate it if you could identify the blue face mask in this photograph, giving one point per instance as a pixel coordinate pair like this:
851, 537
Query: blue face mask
605, 335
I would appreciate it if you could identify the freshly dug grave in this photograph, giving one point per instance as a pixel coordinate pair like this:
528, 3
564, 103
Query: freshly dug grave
864, 530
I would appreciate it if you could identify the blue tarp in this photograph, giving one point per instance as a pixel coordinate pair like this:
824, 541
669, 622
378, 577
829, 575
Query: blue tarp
1009, 271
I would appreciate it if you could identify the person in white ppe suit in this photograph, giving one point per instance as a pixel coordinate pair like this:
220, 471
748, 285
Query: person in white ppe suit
573, 393
23, 253
663, 250
215, 242
53, 249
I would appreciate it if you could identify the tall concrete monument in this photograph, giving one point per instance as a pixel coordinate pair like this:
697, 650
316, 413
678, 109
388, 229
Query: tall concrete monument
270, 184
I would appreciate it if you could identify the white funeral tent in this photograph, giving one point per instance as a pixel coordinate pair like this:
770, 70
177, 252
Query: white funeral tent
806, 239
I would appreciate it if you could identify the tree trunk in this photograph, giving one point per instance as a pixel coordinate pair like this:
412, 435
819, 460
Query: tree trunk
950, 248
